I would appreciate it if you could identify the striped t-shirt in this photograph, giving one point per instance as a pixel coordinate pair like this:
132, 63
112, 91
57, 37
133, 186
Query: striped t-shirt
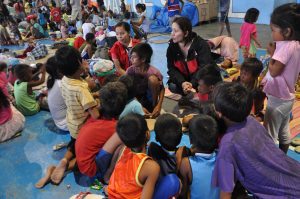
78, 99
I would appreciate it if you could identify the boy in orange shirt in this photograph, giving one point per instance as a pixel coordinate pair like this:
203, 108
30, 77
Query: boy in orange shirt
135, 173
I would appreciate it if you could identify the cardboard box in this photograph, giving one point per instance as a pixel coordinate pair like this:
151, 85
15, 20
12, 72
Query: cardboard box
203, 10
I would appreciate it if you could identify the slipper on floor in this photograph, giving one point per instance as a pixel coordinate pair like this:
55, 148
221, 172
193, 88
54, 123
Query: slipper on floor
296, 142
297, 149
87, 195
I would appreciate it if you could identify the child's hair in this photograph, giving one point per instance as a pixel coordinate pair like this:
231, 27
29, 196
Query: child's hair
127, 15
110, 78
168, 131
3, 66
4, 102
21, 71
95, 9
251, 15
210, 74
186, 26
203, 133
52, 70
125, 25
110, 12
288, 16
128, 81
140, 6
144, 51
208, 108
113, 99
132, 130
233, 101
68, 60
252, 65
89, 37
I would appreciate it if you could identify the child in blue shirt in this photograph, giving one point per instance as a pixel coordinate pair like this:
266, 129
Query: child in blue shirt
196, 171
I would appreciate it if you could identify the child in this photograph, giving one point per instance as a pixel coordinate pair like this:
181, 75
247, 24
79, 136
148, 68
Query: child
141, 27
133, 105
152, 97
11, 120
174, 9
207, 77
127, 20
246, 152
79, 100
89, 47
64, 29
123, 7
95, 133
135, 173
248, 39
196, 171
284, 68
78, 41
88, 27
168, 132
4, 82
42, 20
111, 22
250, 71
56, 103
24, 95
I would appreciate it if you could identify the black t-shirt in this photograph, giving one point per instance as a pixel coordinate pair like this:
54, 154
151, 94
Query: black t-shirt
166, 160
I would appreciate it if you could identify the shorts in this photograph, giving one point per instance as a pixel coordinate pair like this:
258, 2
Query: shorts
224, 17
277, 118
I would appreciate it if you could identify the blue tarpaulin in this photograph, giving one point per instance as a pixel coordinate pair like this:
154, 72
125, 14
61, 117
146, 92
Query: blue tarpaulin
161, 19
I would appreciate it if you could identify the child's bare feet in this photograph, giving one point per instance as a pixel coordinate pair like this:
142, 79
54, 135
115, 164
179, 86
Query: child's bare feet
59, 171
43, 181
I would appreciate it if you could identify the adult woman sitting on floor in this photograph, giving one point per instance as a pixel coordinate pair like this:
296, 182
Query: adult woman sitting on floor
186, 54
121, 49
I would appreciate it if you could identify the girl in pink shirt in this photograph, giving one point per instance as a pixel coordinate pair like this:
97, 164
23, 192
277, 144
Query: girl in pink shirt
11, 120
4, 81
248, 39
284, 69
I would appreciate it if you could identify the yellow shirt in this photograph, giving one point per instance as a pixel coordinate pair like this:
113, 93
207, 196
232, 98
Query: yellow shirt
78, 99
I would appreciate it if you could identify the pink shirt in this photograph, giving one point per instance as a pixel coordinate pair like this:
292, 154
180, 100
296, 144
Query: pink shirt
5, 115
246, 30
11, 78
283, 85
3, 83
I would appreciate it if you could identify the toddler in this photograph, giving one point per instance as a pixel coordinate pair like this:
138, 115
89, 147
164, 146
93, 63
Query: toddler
248, 39
28, 102
284, 68
196, 170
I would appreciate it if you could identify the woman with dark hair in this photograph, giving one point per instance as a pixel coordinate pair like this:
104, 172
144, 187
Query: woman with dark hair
186, 54
120, 51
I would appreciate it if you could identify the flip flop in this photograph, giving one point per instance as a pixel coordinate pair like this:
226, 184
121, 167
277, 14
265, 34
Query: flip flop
296, 142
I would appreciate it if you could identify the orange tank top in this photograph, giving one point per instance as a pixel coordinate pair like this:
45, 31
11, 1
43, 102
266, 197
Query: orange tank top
124, 181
